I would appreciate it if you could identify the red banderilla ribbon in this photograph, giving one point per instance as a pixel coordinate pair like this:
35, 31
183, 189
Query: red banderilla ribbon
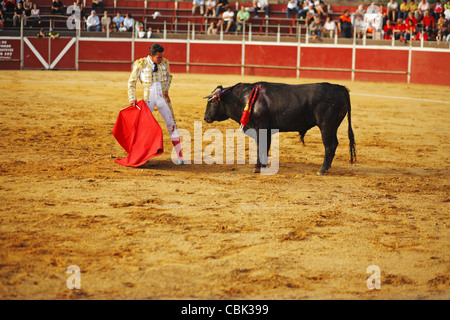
248, 107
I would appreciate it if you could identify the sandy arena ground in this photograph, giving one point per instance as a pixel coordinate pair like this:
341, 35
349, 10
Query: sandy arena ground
205, 231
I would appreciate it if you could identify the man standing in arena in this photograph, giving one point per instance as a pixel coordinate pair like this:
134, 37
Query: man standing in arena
154, 73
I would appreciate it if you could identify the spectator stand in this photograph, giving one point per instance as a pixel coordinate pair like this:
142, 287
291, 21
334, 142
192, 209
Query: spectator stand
184, 20
160, 16
176, 17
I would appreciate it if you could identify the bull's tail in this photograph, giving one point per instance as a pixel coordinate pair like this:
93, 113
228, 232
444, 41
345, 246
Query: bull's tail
351, 136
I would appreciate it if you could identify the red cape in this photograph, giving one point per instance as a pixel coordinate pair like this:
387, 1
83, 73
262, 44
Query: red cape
139, 134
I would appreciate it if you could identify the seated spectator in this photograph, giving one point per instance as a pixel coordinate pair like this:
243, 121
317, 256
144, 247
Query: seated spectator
35, 15
399, 29
222, 6
27, 6
210, 8
57, 7
242, 17
412, 18
370, 31
422, 8
441, 27
329, 28
105, 21
428, 23
314, 28
373, 8
318, 7
198, 4
261, 5
118, 19
413, 7
97, 5
122, 28
18, 13
383, 12
403, 11
10, 5
112, 27
345, 25
388, 30
76, 8
292, 7
128, 22
93, 22
392, 10
212, 29
422, 35
307, 11
228, 20
410, 30
79, 4
360, 26
140, 29
149, 32
447, 10
438, 9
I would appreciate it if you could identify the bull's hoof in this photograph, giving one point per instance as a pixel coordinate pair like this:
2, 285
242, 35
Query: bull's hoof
257, 170
321, 172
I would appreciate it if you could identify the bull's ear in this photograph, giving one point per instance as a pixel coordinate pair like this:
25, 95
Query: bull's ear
216, 91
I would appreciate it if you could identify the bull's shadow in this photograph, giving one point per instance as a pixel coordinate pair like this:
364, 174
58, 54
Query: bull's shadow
284, 168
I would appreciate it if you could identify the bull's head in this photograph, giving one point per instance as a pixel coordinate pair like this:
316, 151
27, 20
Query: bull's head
214, 111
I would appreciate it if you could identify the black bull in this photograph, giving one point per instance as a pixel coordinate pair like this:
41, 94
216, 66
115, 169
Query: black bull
287, 108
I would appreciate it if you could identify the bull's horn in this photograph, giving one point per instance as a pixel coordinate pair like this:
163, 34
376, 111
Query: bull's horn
216, 91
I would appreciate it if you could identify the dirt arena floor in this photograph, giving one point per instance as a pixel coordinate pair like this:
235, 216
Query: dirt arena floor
219, 231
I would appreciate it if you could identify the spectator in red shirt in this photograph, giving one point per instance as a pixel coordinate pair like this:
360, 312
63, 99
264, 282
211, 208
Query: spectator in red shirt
388, 30
411, 17
428, 23
438, 9
399, 29
410, 30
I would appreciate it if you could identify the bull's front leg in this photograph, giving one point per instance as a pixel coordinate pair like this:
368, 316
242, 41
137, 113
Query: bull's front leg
263, 141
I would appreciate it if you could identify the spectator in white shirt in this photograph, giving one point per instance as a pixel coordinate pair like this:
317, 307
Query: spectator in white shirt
392, 8
291, 7
93, 22
329, 28
261, 5
423, 7
228, 19
210, 8
128, 22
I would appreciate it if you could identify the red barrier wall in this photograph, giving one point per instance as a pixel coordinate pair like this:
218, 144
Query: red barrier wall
340, 62
265, 55
30, 59
430, 67
329, 58
105, 55
68, 59
375, 60
220, 59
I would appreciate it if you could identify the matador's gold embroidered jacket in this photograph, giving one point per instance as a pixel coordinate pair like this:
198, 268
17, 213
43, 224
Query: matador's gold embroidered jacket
142, 70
